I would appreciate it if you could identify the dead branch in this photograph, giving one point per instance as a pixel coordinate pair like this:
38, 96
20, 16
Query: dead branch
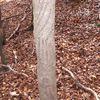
15, 56
15, 31
12, 70
17, 28
29, 11
87, 89
12, 17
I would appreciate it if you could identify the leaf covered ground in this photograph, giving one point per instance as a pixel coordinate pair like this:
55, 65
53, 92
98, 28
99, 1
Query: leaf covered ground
77, 38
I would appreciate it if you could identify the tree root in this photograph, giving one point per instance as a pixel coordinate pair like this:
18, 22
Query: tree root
87, 89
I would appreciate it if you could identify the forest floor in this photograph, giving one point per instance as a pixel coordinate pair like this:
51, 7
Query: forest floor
77, 48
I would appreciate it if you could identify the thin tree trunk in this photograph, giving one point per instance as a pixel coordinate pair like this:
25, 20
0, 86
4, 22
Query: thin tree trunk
44, 19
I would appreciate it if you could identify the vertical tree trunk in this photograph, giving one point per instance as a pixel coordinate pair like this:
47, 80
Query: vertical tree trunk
44, 18
2, 40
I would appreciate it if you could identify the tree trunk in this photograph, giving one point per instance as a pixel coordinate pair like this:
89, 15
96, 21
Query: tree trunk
44, 20
2, 40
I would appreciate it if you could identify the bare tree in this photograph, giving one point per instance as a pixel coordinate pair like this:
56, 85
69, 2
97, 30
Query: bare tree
44, 19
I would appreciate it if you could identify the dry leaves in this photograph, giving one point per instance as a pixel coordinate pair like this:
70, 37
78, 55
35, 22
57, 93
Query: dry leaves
77, 47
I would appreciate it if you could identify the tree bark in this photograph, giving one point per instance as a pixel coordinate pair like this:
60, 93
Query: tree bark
44, 20
2, 40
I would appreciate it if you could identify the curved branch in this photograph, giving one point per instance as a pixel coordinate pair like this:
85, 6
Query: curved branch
8, 68
17, 28
87, 89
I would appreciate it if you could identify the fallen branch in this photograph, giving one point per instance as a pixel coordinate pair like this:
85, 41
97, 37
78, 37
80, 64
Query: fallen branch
11, 16
15, 31
10, 69
80, 85
17, 28
29, 11
15, 56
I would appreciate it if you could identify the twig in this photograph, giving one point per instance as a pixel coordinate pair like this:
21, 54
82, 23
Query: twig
29, 11
11, 16
80, 85
17, 28
15, 56
14, 71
